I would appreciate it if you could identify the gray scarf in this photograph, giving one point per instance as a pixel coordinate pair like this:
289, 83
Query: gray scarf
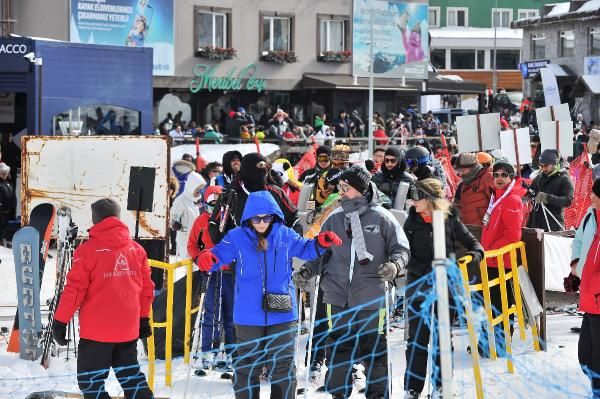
353, 209
469, 177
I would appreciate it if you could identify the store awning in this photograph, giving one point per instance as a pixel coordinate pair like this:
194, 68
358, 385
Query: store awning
585, 83
559, 70
435, 84
317, 81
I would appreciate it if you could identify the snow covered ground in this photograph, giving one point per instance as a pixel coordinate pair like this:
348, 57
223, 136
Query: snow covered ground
549, 375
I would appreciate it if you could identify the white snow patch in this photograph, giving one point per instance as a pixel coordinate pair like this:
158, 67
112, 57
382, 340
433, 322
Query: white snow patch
591, 5
559, 9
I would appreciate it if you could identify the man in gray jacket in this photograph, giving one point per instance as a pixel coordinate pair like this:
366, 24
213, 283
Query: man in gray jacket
374, 251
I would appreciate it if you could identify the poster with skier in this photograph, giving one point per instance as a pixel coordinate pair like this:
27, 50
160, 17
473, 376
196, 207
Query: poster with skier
398, 31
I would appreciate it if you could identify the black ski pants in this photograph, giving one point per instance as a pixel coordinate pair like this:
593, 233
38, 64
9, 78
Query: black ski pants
357, 336
93, 365
272, 347
589, 350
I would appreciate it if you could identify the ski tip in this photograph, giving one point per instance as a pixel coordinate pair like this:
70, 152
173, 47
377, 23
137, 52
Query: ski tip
13, 342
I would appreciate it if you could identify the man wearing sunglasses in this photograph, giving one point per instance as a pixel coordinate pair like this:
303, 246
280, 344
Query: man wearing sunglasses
553, 189
310, 176
392, 173
374, 251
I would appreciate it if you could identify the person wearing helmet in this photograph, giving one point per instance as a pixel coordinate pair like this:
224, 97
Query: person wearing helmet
421, 163
553, 190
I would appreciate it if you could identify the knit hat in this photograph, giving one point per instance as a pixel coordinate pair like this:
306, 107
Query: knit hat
340, 152
254, 169
332, 176
466, 160
357, 177
549, 157
104, 208
393, 152
484, 158
324, 149
505, 166
596, 188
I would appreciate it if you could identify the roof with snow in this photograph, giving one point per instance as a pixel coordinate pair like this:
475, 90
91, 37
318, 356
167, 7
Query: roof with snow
561, 12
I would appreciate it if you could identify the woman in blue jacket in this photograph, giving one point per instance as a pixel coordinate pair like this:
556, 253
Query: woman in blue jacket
265, 309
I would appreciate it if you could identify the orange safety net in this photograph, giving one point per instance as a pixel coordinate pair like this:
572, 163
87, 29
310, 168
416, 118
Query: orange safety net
581, 174
308, 160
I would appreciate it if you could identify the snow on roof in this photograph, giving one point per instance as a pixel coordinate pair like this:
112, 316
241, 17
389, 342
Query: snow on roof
559, 9
591, 5
459, 32
592, 82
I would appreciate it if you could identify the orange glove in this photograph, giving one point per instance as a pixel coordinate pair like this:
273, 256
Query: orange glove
206, 260
327, 239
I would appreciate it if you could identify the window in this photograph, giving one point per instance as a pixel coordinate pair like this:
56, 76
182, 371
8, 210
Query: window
97, 119
462, 59
567, 44
434, 17
333, 34
501, 17
457, 16
528, 13
438, 58
507, 59
594, 41
212, 27
276, 33
538, 47
480, 59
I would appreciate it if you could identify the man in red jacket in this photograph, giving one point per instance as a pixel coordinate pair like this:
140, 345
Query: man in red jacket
110, 284
589, 303
501, 226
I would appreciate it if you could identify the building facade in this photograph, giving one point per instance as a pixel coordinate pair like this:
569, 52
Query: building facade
462, 39
566, 39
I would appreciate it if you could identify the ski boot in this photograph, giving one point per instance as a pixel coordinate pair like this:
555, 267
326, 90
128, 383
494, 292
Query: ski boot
227, 370
410, 394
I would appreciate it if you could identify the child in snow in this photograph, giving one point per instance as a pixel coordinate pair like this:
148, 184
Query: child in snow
218, 301
265, 309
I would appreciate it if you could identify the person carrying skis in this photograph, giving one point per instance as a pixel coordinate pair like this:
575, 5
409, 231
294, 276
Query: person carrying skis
354, 277
428, 195
109, 283
265, 311
218, 301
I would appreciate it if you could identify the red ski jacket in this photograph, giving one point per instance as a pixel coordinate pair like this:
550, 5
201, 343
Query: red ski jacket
109, 283
504, 226
200, 226
589, 289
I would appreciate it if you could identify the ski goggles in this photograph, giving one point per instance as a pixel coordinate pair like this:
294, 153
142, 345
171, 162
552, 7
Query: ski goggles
323, 158
417, 194
258, 219
414, 162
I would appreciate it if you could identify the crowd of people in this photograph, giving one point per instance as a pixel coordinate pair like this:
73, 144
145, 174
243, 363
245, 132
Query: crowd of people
239, 221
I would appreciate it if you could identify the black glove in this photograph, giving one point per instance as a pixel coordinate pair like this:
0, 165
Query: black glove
59, 332
476, 257
145, 329
301, 278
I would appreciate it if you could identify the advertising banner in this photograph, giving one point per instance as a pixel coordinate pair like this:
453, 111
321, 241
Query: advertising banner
591, 65
133, 23
400, 32
551, 93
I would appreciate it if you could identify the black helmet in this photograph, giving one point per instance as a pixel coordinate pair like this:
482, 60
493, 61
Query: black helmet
416, 156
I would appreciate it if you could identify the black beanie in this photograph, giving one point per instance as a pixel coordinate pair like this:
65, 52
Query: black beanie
332, 176
104, 208
394, 152
324, 149
254, 169
549, 157
357, 177
505, 166
596, 188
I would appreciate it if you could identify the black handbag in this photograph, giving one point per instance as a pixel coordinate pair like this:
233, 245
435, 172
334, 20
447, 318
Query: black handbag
279, 303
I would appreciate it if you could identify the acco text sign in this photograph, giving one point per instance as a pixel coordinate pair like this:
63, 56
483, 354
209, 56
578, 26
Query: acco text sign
245, 79
12, 51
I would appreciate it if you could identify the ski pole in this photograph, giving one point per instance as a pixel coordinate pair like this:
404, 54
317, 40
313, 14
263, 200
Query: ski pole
313, 312
299, 329
387, 338
197, 336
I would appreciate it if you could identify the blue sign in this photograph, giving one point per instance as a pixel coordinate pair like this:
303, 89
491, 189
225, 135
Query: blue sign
26, 251
530, 68
12, 54
133, 23
399, 31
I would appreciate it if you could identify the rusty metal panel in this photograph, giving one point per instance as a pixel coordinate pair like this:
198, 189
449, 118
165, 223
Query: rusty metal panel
76, 171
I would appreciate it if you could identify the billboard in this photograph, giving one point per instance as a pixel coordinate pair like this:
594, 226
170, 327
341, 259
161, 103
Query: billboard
400, 32
133, 23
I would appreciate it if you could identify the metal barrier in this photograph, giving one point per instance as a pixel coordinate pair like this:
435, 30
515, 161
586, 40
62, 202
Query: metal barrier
501, 280
168, 323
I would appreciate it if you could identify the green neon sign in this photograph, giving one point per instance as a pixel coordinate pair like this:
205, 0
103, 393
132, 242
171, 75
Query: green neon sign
245, 79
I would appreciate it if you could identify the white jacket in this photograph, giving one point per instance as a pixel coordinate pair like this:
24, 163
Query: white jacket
185, 211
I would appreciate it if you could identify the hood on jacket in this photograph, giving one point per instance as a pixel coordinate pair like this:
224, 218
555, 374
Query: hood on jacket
284, 168
193, 186
227, 157
261, 203
111, 231
183, 167
211, 192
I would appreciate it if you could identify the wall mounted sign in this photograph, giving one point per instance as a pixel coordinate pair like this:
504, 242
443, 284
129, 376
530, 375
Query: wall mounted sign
245, 79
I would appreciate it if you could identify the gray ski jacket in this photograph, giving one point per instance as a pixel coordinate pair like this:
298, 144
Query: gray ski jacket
345, 281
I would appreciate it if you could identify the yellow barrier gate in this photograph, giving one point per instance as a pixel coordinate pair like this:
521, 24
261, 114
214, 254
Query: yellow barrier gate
168, 323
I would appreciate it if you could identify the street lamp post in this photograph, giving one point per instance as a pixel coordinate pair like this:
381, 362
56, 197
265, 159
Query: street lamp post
494, 74
370, 122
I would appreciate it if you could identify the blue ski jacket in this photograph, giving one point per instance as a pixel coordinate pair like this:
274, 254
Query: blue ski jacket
259, 272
